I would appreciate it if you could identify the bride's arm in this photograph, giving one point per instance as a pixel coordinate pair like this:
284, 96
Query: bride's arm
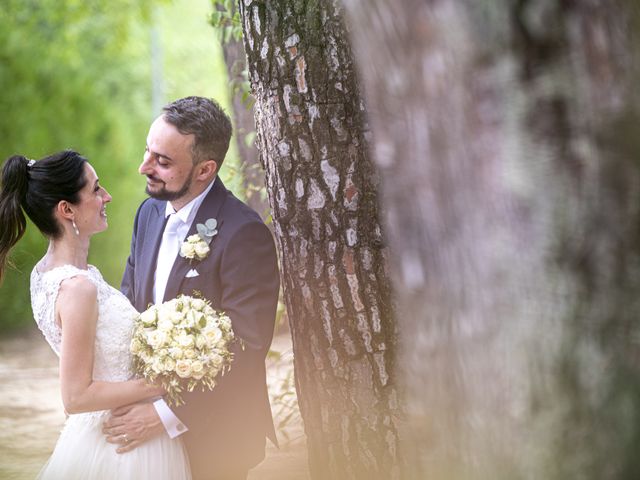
77, 312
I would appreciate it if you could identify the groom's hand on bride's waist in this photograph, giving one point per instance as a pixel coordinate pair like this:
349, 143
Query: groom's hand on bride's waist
132, 425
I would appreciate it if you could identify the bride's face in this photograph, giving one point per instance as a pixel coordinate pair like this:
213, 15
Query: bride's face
91, 215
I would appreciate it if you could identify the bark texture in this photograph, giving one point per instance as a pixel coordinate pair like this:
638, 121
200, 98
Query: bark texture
252, 172
506, 137
323, 194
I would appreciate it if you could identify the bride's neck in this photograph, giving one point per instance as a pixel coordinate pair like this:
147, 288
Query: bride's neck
67, 251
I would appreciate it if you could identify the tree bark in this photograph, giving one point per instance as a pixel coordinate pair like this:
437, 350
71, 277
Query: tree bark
252, 172
323, 194
506, 136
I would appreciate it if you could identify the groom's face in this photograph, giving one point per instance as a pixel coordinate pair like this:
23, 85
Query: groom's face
167, 162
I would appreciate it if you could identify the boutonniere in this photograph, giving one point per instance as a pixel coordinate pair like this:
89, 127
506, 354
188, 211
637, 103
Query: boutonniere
196, 247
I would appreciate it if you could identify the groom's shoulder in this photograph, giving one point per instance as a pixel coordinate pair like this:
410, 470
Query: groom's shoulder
148, 206
237, 214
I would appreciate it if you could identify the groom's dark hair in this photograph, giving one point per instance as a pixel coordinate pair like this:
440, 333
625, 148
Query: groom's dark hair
207, 121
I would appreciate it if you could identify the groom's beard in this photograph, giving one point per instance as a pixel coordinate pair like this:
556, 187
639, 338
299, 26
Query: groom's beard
168, 195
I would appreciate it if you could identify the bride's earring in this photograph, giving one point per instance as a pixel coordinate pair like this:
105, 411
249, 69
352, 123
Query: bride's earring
75, 228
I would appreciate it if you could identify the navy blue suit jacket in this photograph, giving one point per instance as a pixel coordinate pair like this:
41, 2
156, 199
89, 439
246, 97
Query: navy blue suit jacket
227, 426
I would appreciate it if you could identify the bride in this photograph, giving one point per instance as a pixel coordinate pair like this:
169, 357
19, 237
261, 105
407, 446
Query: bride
85, 321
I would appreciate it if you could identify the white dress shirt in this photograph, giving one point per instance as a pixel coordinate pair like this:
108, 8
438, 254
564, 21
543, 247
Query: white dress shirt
184, 219
172, 424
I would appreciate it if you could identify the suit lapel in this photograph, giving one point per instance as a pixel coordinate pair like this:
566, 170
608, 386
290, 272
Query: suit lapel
210, 207
149, 259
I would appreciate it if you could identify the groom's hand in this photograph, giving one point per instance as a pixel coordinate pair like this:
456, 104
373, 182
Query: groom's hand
132, 425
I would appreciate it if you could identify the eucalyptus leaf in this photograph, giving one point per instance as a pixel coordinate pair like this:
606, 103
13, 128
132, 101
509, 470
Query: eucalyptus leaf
211, 224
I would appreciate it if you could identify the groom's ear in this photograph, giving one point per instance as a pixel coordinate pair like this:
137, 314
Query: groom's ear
206, 170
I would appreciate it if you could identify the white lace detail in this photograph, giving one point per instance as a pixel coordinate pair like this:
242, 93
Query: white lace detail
112, 359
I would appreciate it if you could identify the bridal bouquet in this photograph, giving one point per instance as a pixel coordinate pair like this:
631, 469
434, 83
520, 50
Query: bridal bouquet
182, 343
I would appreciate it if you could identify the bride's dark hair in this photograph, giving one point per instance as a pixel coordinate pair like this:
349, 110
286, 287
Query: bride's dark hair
36, 188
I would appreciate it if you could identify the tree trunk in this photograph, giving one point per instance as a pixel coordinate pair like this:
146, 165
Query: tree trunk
252, 172
323, 194
506, 136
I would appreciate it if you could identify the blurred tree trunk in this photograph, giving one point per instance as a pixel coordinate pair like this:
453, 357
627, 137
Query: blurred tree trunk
506, 134
243, 119
322, 190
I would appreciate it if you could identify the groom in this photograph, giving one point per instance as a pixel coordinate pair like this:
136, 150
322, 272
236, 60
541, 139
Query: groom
224, 430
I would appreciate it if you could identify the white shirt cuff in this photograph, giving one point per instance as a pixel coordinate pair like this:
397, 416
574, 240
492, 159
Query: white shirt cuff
172, 424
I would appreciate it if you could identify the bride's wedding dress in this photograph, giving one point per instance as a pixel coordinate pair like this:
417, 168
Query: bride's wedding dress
82, 451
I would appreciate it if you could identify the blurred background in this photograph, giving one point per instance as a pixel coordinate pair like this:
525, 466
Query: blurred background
91, 76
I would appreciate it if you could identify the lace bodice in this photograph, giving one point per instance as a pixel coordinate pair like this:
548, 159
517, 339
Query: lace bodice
112, 359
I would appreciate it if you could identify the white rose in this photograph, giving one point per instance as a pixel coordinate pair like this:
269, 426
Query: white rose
183, 368
186, 301
148, 317
157, 366
185, 340
201, 341
176, 353
170, 305
191, 319
216, 360
144, 355
195, 238
198, 304
164, 314
202, 250
156, 338
165, 324
197, 369
177, 317
213, 335
169, 364
187, 250
190, 353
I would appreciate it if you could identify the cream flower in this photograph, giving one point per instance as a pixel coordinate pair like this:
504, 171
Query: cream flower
176, 353
201, 341
201, 250
177, 317
185, 340
169, 364
197, 369
148, 317
198, 304
157, 366
213, 335
183, 368
188, 250
216, 360
165, 324
156, 338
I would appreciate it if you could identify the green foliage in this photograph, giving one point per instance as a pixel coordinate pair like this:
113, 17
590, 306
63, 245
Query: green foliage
73, 75
193, 64
225, 18
76, 74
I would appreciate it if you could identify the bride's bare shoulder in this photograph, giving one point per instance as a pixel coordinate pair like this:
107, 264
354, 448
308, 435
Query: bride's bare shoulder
78, 288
